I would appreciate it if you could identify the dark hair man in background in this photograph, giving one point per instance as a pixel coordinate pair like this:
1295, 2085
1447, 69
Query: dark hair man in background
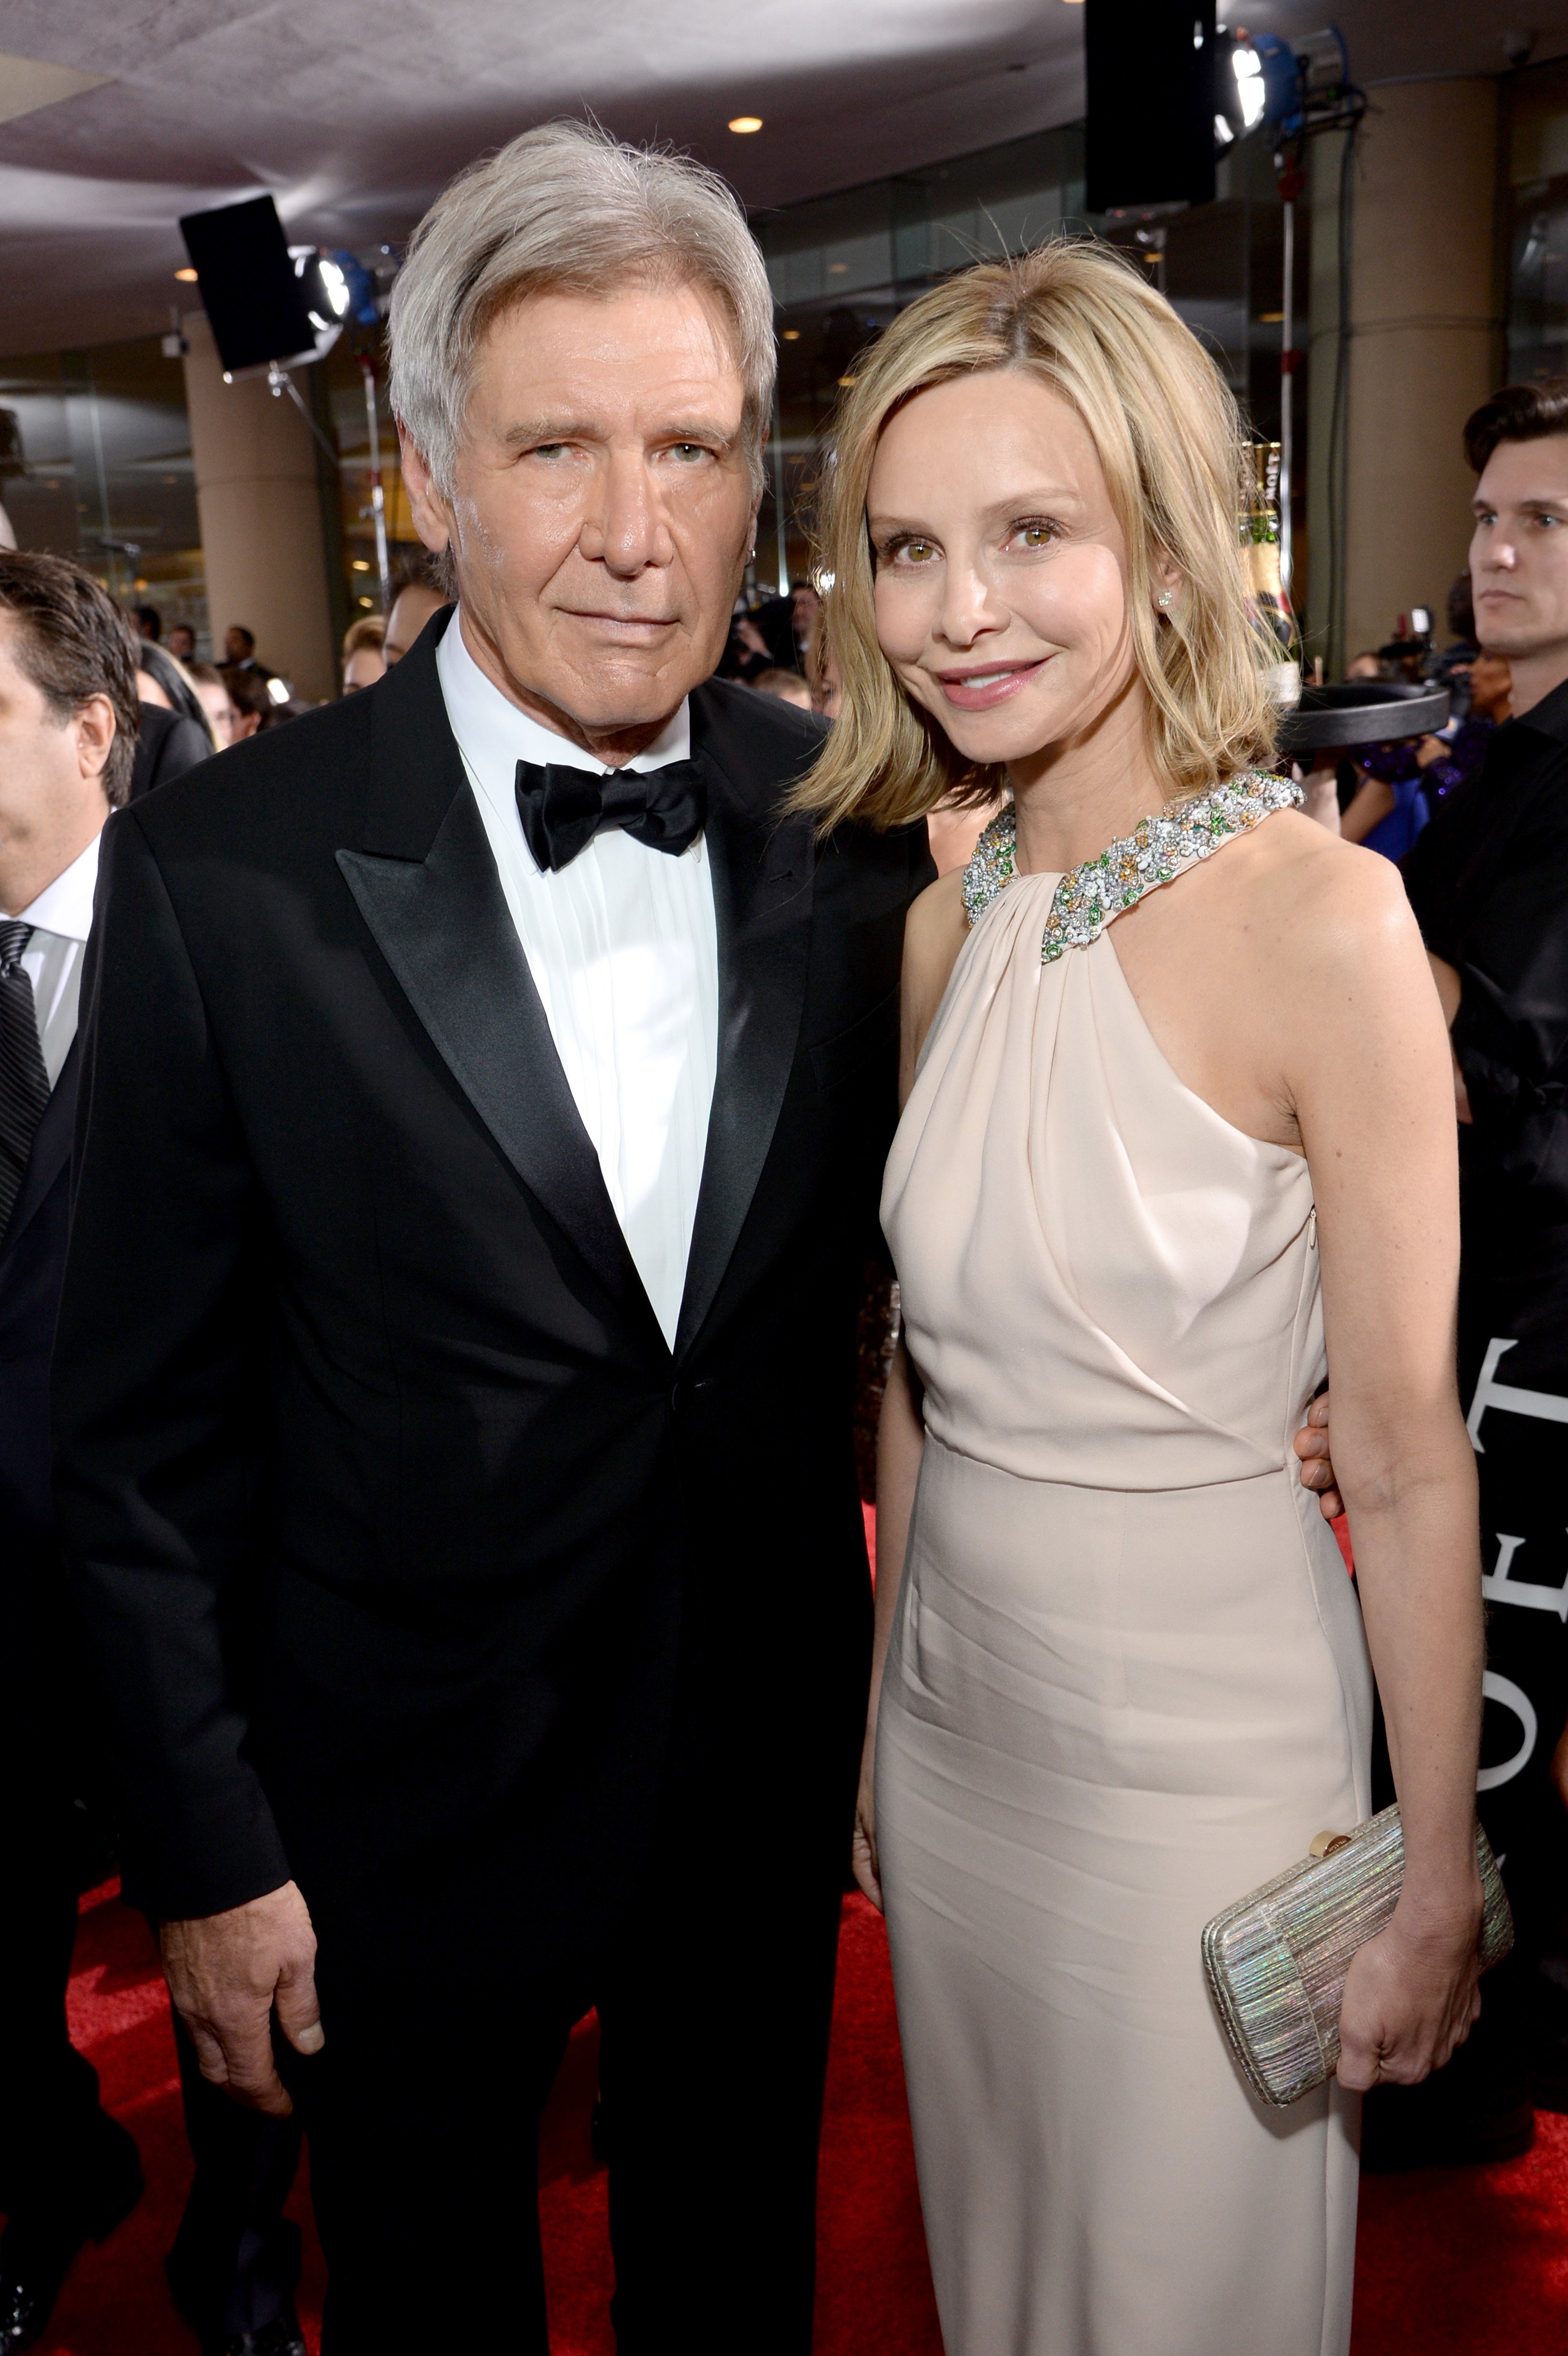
416, 596
149, 622
67, 732
1488, 882
181, 642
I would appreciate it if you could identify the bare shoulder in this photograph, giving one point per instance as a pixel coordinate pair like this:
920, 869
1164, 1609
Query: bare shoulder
1326, 905
935, 932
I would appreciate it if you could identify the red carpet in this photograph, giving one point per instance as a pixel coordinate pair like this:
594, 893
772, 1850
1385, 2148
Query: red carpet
1461, 2262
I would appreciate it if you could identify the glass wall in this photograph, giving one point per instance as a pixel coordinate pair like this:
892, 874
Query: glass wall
843, 266
1538, 224
95, 463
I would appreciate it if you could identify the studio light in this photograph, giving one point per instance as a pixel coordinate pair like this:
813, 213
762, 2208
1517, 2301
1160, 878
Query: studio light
1248, 69
744, 122
185, 277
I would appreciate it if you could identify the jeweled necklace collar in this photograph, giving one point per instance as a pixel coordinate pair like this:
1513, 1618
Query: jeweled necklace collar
1156, 850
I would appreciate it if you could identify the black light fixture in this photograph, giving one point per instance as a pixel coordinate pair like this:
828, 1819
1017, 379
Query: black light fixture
1151, 70
255, 301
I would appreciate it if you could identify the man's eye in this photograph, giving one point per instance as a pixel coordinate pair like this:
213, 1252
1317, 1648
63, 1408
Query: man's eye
688, 452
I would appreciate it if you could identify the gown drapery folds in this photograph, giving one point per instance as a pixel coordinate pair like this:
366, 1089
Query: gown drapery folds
1128, 1682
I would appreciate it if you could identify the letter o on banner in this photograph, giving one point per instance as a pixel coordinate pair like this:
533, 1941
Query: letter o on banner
1511, 1697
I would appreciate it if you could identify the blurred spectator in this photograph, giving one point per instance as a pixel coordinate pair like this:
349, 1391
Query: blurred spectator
805, 605
1390, 807
247, 694
1489, 883
149, 622
1463, 743
174, 732
1370, 665
181, 642
363, 659
240, 651
787, 685
1451, 669
67, 727
216, 702
1406, 660
762, 638
161, 679
416, 597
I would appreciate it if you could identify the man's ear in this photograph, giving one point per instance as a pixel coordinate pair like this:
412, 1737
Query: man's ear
93, 725
432, 518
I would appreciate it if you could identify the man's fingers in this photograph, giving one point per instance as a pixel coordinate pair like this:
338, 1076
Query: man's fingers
210, 2056
237, 2056
299, 2014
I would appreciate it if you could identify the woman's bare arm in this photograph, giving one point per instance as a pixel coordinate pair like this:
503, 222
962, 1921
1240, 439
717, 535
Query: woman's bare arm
1370, 1079
1371, 802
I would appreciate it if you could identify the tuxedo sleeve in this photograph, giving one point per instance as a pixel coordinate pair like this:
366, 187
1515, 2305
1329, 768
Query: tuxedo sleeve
155, 1382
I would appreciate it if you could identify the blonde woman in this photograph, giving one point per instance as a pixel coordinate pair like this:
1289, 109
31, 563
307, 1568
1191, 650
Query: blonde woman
1175, 1072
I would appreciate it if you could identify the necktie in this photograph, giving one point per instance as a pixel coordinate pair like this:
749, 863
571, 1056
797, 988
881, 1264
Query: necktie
563, 809
24, 1082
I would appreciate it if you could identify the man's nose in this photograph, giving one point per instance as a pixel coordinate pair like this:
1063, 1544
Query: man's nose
629, 531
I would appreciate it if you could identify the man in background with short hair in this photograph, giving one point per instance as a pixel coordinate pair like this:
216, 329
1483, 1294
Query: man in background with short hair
415, 598
68, 733
1489, 883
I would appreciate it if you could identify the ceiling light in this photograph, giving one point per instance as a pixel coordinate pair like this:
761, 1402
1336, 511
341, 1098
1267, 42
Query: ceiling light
185, 277
745, 123
791, 334
361, 564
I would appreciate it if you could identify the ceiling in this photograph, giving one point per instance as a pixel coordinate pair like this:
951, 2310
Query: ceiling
113, 121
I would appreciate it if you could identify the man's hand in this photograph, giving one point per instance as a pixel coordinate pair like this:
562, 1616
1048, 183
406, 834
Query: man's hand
227, 1972
1311, 1444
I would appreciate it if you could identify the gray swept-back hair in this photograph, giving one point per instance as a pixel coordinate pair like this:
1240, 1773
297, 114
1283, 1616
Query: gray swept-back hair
566, 209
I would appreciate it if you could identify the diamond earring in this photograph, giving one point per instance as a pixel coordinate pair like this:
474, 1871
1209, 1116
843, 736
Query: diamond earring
1163, 599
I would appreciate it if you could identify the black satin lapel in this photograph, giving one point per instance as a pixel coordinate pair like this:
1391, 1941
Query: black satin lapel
443, 924
762, 897
51, 1149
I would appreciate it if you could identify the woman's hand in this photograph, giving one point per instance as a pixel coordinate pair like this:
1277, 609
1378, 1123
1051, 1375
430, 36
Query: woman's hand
1410, 1998
863, 1856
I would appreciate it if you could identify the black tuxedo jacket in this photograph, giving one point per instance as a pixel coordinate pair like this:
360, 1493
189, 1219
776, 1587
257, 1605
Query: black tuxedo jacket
32, 1262
411, 1560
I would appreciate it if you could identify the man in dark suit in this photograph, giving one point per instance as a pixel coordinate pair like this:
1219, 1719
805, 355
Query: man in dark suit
488, 1081
67, 730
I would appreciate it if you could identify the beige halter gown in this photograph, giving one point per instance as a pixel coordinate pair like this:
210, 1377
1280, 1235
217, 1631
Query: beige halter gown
1128, 1681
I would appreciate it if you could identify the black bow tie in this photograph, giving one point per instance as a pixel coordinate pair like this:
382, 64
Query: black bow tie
562, 810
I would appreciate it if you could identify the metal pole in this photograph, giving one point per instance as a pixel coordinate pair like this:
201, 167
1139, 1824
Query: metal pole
1287, 395
780, 527
377, 496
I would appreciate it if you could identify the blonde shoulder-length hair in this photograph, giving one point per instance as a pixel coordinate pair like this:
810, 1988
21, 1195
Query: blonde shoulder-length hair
1168, 437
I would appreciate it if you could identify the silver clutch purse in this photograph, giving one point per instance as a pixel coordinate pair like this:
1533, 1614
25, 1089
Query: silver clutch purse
1275, 1960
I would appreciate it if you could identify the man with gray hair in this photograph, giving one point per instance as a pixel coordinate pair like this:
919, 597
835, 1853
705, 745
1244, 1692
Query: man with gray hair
488, 1084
